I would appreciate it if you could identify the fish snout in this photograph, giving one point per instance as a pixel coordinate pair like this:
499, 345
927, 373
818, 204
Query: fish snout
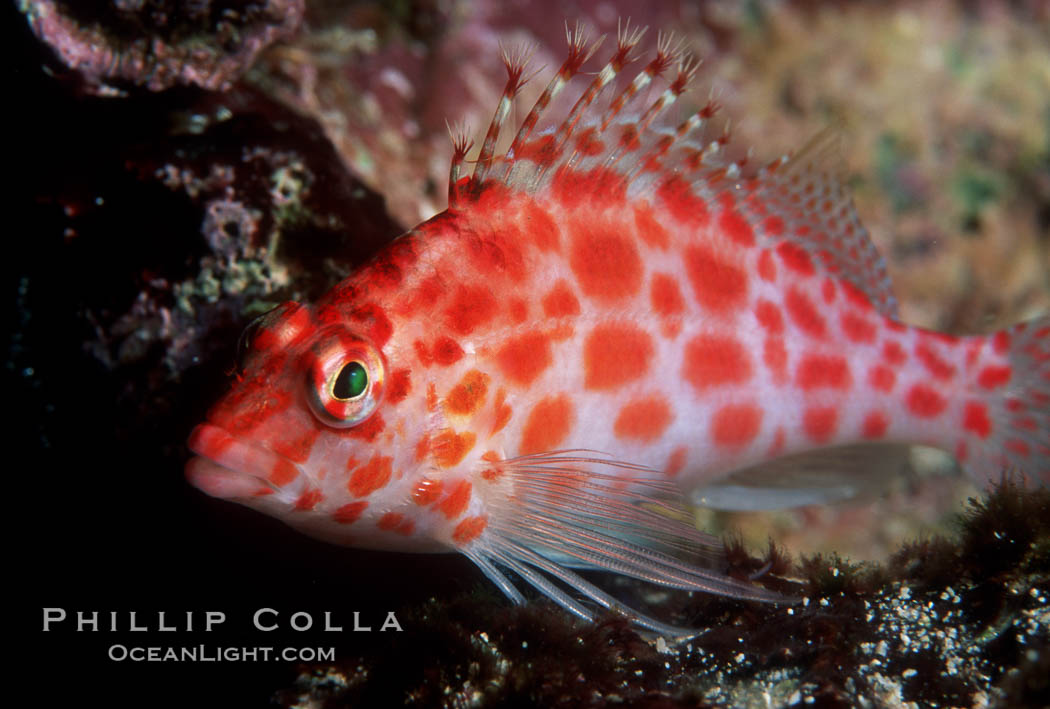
227, 467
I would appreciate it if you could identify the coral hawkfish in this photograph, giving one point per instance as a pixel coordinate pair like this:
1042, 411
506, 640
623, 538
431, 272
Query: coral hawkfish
610, 322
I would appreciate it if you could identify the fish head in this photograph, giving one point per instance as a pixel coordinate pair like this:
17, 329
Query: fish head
317, 428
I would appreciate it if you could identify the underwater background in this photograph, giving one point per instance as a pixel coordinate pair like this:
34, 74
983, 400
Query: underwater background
179, 168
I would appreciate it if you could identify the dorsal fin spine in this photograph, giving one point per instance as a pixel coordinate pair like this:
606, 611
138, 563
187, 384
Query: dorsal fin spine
665, 56
461, 145
651, 149
579, 52
515, 65
604, 78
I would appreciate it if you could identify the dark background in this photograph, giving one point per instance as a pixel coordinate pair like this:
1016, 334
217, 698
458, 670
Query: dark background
101, 517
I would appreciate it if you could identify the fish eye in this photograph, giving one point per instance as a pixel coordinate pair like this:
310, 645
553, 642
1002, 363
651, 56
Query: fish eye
350, 382
345, 379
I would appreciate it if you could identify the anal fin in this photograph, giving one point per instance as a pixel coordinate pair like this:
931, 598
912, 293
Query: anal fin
815, 477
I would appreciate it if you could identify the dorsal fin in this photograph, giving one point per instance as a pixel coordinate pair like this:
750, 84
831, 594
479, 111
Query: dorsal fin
622, 144
615, 133
805, 195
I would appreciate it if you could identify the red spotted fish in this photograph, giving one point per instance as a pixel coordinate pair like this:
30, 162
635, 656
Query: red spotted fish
610, 322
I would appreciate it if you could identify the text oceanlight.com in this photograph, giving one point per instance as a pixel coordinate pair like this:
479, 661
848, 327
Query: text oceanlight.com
206, 653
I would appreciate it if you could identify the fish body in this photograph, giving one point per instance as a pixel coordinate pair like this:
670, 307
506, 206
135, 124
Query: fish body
607, 323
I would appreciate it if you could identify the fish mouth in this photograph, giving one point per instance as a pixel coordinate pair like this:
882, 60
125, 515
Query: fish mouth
227, 468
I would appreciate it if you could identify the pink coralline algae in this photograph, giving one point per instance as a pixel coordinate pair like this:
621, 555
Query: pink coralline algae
157, 45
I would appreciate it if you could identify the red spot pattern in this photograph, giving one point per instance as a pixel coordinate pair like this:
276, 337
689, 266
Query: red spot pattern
296, 449
769, 317
856, 296
796, 258
827, 290
991, 377
457, 500
423, 353
399, 386
367, 430
471, 306
894, 353
283, 472
676, 461
524, 358
469, 529
934, 363
1026, 423
548, 425
1001, 342
446, 351
804, 313
678, 198
606, 263
715, 360
817, 371
718, 286
519, 310
541, 227
1017, 446
588, 143
643, 419
736, 425
773, 225
349, 513
875, 425
370, 477
498, 255
649, 229
736, 227
560, 301
375, 322
598, 186
394, 522
665, 296
449, 448
468, 395
252, 404
857, 328
423, 447
777, 447
615, 354
767, 270
501, 413
774, 355
308, 500
882, 378
820, 423
541, 150
427, 491
924, 402
430, 291
975, 419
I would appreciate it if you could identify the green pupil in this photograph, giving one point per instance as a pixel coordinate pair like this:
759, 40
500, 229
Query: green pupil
350, 382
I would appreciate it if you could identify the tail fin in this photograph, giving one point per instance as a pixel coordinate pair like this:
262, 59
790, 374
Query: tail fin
1007, 419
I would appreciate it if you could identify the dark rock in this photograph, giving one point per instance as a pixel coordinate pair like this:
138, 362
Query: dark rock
160, 44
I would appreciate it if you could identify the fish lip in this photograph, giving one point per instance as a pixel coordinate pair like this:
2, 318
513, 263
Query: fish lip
229, 468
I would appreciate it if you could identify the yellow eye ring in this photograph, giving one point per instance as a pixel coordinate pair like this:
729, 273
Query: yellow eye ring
345, 379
